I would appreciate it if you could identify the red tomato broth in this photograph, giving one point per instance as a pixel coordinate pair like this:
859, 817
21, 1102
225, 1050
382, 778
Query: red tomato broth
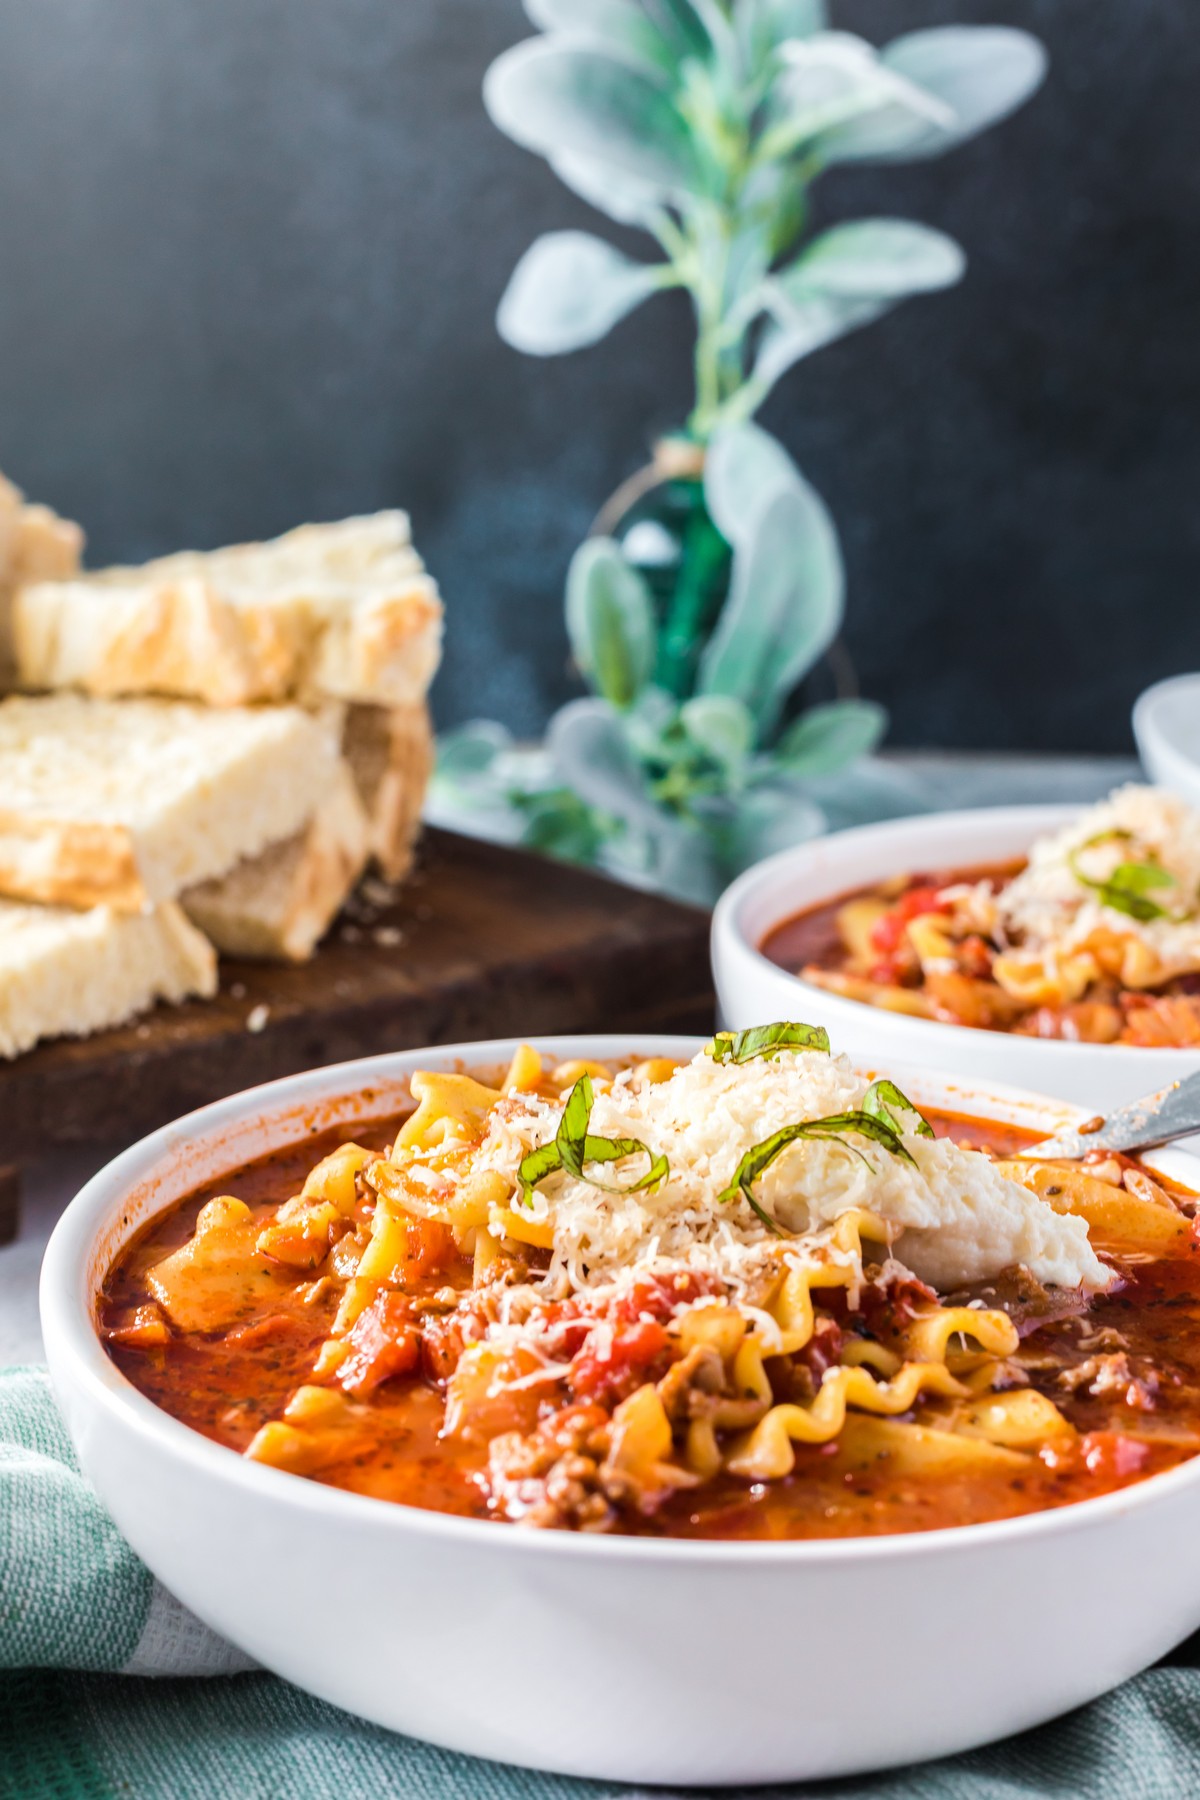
227, 1384
811, 935
834, 1500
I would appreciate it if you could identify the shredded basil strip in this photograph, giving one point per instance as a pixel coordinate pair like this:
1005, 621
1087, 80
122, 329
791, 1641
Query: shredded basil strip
767, 1041
537, 1165
574, 1145
571, 1137
1143, 877
757, 1160
1128, 888
882, 1100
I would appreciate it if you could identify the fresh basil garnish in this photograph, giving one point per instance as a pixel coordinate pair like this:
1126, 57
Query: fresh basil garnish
767, 1041
757, 1160
574, 1145
1127, 890
571, 1139
882, 1100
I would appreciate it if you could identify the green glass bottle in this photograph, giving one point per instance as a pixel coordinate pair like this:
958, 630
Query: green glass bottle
662, 523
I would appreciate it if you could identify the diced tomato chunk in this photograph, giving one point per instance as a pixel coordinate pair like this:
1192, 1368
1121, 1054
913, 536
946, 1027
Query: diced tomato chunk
384, 1342
660, 1295
430, 1246
887, 931
618, 1360
570, 1338
444, 1338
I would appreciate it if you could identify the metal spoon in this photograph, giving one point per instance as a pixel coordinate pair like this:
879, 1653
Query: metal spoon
1173, 1112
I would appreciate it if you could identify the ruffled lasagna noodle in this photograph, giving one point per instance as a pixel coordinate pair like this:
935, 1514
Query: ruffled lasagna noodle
1095, 938
595, 1299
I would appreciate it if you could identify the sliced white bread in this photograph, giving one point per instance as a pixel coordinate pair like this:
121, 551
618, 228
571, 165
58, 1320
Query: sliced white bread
390, 751
71, 973
279, 905
45, 546
11, 500
125, 803
35, 545
340, 611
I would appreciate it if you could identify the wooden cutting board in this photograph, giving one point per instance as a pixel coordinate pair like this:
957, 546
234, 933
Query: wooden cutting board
480, 942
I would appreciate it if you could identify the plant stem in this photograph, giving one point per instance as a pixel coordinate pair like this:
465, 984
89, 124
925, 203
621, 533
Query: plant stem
708, 364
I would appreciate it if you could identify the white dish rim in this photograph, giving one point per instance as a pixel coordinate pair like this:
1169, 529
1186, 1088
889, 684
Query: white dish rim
1146, 699
66, 1292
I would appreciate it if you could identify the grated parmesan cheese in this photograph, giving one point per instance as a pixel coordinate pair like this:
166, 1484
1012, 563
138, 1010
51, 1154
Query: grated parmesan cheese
1048, 908
952, 1216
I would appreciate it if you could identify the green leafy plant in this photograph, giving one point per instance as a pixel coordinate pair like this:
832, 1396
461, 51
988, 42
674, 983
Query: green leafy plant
716, 584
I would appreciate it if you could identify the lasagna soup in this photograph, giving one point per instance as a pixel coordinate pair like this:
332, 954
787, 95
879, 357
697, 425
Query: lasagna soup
1095, 938
753, 1295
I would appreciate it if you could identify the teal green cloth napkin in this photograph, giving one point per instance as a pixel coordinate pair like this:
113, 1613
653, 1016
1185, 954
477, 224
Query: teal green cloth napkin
83, 1625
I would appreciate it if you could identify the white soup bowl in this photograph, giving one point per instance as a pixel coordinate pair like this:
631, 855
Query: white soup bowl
623, 1659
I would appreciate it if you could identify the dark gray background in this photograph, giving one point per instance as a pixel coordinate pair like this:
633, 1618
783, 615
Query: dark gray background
250, 252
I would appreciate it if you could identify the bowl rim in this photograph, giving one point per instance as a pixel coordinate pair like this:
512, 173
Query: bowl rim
65, 1303
1146, 700
1150, 732
729, 931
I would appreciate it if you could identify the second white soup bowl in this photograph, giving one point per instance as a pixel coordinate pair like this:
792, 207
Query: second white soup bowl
617, 1658
751, 988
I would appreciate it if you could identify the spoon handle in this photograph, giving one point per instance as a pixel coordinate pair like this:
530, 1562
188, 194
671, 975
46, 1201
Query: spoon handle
1173, 1112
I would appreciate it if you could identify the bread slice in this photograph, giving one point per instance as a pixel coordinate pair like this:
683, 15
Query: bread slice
35, 545
279, 905
341, 611
390, 752
126, 802
64, 972
11, 501
45, 546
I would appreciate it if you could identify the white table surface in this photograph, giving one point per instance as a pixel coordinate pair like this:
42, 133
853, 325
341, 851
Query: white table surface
960, 780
